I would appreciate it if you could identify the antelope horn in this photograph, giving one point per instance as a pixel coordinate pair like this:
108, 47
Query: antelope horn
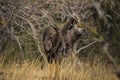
66, 11
70, 9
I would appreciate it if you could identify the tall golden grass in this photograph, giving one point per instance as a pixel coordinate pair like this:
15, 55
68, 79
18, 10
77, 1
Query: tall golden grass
70, 69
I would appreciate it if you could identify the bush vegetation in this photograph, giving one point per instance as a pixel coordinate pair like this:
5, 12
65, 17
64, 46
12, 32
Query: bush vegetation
22, 23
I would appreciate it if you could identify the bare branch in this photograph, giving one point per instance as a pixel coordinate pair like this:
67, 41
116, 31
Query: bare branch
102, 16
10, 16
34, 35
15, 38
84, 47
49, 18
115, 65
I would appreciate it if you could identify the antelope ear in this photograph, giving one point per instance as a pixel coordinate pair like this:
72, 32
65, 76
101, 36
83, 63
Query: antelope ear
73, 21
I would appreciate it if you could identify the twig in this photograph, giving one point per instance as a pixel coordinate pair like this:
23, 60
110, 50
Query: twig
10, 17
15, 38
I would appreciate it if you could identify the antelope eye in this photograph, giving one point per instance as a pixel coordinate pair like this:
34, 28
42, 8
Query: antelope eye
70, 27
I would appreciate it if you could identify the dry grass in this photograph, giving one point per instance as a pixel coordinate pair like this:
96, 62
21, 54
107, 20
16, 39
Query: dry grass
68, 70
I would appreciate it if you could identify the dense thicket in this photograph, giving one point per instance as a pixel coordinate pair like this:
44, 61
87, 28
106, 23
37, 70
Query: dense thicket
22, 23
